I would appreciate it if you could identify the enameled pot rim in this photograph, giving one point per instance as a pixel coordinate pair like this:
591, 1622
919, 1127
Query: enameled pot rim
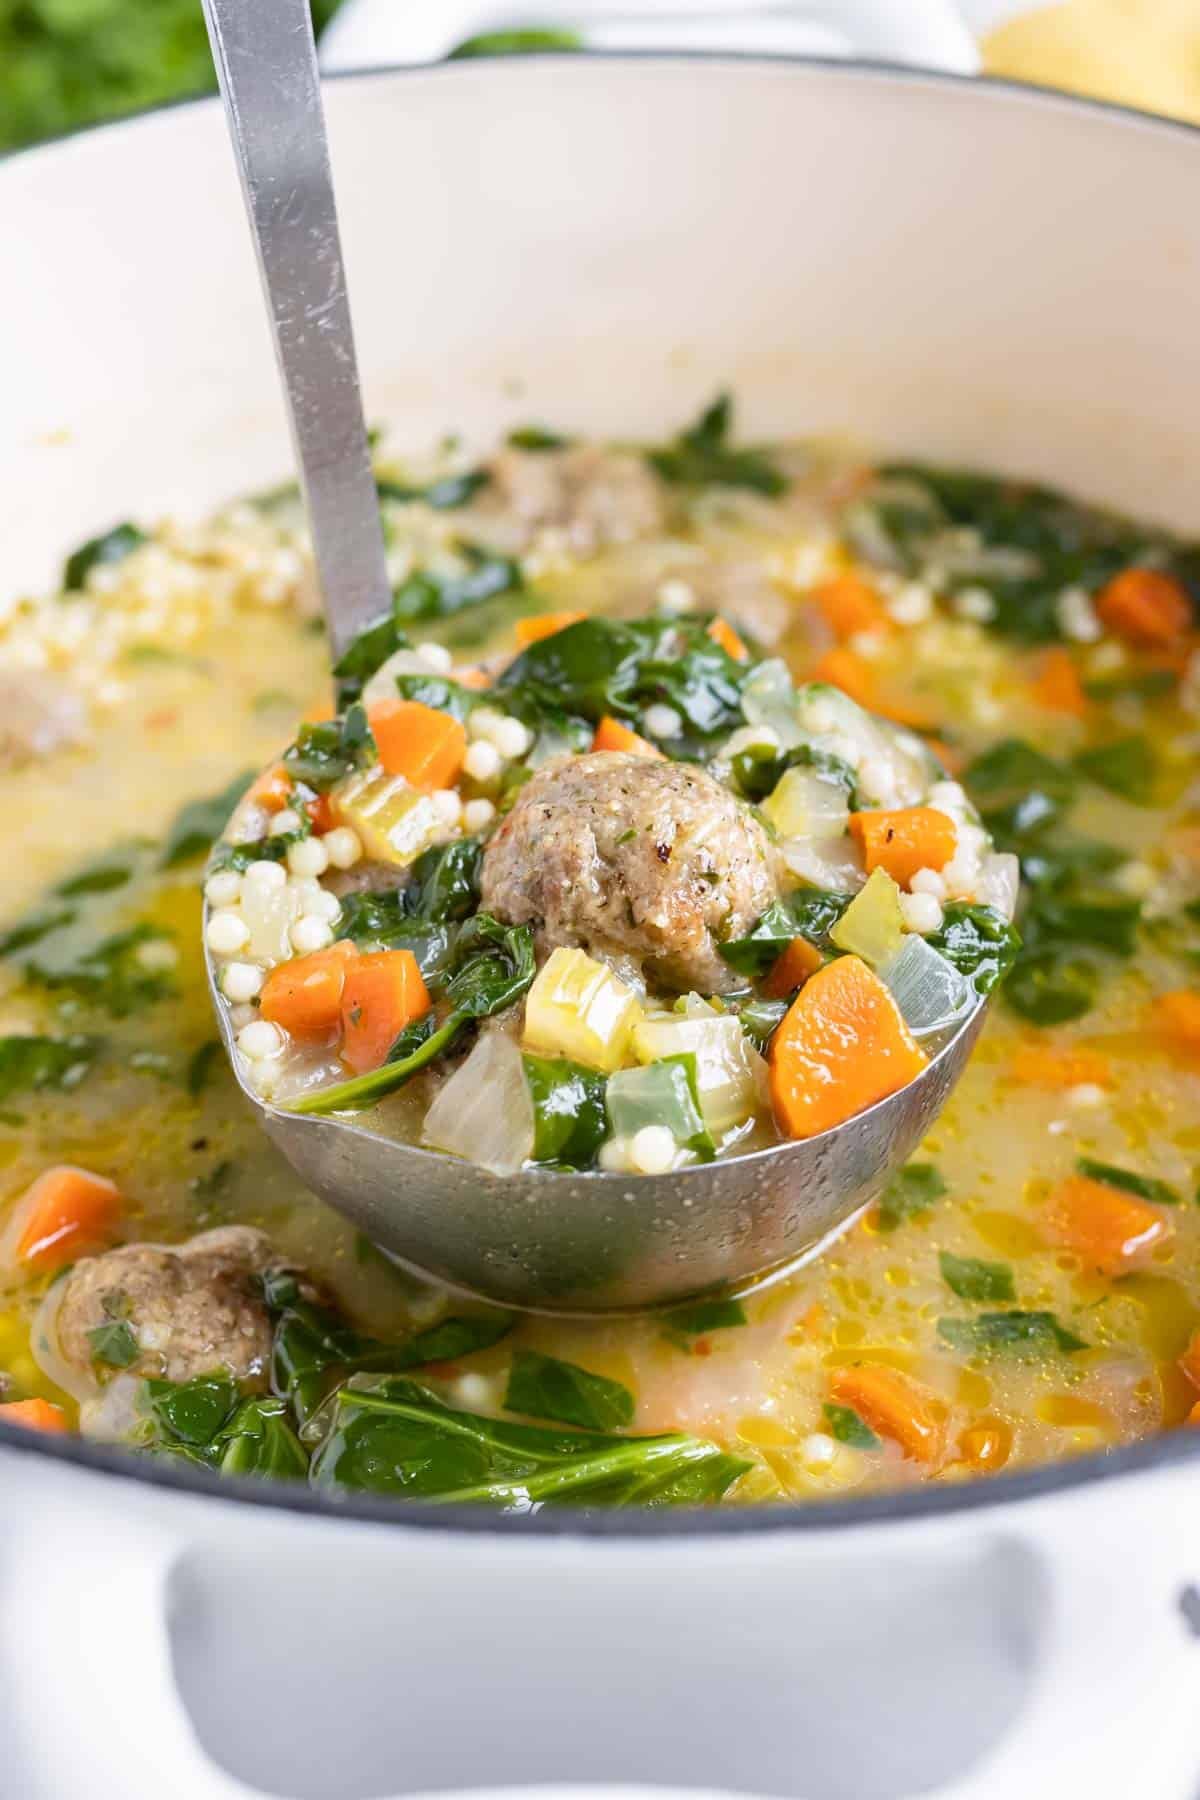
929, 1501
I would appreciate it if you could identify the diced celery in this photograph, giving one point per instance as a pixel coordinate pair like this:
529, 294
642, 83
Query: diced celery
804, 804
394, 822
872, 926
660, 1093
730, 1074
484, 1113
579, 1009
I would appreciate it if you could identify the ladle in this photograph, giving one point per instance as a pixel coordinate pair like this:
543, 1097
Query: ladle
542, 1240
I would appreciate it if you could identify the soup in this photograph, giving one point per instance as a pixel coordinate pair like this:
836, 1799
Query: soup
1026, 1288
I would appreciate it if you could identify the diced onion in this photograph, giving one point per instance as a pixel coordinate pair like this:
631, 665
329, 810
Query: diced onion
834, 863
730, 1074
656, 1094
804, 804
999, 882
769, 698
484, 1113
872, 926
930, 992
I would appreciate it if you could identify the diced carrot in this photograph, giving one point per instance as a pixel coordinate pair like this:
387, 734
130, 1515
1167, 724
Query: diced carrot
612, 735
475, 679
1110, 1230
304, 995
1189, 1362
1177, 1016
383, 993
273, 789
722, 633
420, 742
1145, 607
894, 1405
851, 605
65, 1212
544, 625
791, 970
845, 669
1193, 1417
1057, 686
986, 1445
321, 814
916, 837
34, 1415
841, 1046
1042, 1065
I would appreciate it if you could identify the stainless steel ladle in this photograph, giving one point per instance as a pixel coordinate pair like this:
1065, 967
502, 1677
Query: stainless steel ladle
590, 1242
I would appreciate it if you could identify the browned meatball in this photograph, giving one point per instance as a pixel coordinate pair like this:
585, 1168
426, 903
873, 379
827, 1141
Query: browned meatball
633, 854
194, 1309
594, 496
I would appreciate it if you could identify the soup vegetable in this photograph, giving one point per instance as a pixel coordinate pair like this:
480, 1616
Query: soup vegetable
800, 638
616, 858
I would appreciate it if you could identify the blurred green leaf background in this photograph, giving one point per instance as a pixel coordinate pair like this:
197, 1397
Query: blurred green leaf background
66, 63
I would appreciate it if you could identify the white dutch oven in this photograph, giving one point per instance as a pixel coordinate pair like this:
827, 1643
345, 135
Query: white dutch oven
978, 273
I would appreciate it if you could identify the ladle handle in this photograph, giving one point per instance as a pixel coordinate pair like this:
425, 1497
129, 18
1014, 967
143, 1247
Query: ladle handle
267, 66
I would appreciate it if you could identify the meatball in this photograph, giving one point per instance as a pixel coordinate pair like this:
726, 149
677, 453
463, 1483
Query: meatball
193, 1310
39, 714
633, 854
594, 496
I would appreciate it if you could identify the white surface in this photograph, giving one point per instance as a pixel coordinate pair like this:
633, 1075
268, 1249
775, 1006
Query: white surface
600, 248
375, 33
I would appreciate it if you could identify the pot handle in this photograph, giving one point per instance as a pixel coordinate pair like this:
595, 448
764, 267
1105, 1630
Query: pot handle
1112, 1707
928, 33
88, 1699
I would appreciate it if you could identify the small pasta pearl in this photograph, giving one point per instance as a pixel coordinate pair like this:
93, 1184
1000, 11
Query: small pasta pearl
265, 875
511, 738
260, 1040
478, 814
652, 1150
310, 933
482, 761
663, 721
308, 857
447, 805
436, 657
223, 888
241, 981
227, 933
342, 847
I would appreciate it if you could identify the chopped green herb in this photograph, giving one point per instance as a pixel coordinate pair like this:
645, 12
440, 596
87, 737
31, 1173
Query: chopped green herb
910, 1193
113, 1344
198, 825
844, 1424
536, 437
972, 1279
45, 1062
325, 752
516, 43
1011, 1333
702, 456
447, 492
1147, 1187
699, 1317
110, 547
430, 596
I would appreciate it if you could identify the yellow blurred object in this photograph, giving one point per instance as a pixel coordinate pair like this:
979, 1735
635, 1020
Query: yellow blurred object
1142, 53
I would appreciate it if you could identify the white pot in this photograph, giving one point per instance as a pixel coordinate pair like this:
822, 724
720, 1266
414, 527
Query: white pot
972, 272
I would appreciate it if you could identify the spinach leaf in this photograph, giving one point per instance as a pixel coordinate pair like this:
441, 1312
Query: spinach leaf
699, 1317
110, 547
203, 1064
1145, 684
911, 1192
45, 1062
327, 751
114, 869
1012, 1333
312, 1348
972, 1279
702, 456
258, 1440
542, 1387
115, 975
368, 652
569, 1117
1126, 767
759, 770
760, 1019
446, 492
392, 1436
191, 1413
1066, 861
379, 921
491, 965
35, 926
1053, 984
196, 826
1097, 919
536, 437
113, 1344
453, 1338
844, 1424
444, 882
434, 690
429, 596
808, 913
979, 941
1147, 1187
1012, 768
523, 42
